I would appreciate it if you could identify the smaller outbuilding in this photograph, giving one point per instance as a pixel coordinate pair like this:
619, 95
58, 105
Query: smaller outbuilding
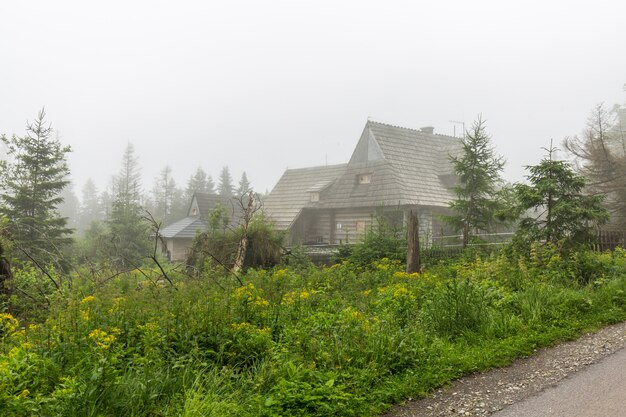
177, 238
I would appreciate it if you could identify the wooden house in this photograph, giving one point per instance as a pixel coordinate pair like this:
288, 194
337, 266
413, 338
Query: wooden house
177, 237
392, 170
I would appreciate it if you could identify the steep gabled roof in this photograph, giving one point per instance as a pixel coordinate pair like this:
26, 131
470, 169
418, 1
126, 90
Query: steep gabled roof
204, 203
292, 192
418, 159
407, 167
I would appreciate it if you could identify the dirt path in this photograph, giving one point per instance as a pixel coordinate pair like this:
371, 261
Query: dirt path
489, 392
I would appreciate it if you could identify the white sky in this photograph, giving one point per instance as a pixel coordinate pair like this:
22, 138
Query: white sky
265, 85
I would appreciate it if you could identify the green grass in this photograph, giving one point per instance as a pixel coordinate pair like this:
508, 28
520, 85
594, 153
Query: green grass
301, 341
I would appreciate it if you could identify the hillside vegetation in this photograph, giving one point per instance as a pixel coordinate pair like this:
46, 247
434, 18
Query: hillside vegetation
295, 340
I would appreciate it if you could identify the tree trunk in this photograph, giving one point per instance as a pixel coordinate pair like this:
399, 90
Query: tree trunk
243, 242
413, 263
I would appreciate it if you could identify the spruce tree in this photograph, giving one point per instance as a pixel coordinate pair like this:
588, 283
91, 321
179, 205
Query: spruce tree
478, 171
225, 187
560, 212
210, 185
164, 195
90, 207
198, 183
31, 186
129, 239
244, 185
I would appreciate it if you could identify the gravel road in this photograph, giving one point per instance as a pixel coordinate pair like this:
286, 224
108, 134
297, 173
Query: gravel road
487, 393
597, 391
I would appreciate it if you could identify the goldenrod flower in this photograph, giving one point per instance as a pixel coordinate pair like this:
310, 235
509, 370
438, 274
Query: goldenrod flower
102, 339
88, 299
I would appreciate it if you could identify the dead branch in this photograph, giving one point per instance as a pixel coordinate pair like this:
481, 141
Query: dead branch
156, 226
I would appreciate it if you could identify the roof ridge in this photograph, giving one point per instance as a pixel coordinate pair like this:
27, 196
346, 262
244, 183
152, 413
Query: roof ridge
317, 167
418, 130
369, 120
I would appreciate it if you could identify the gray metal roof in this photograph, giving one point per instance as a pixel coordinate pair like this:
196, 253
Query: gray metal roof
184, 228
407, 167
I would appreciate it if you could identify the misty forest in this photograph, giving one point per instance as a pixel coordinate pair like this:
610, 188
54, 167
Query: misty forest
299, 301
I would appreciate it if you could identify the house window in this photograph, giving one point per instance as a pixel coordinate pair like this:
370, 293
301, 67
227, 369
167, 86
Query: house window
360, 226
315, 196
364, 178
338, 226
194, 211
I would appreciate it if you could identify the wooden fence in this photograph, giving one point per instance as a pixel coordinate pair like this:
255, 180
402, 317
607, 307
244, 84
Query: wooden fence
610, 239
450, 246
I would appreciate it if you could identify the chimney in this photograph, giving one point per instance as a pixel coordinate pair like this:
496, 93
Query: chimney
427, 129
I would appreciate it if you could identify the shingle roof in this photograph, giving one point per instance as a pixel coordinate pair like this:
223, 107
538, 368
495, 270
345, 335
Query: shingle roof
208, 202
418, 159
407, 167
292, 192
184, 228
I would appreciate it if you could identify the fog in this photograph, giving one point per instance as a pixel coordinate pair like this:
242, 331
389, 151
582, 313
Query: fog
262, 86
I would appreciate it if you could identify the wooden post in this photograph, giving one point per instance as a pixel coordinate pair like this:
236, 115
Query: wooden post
413, 263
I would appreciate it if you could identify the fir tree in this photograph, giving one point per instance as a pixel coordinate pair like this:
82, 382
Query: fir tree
210, 185
164, 194
225, 187
478, 171
90, 207
244, 185
562, 214
31, 187
128, 232
199, 182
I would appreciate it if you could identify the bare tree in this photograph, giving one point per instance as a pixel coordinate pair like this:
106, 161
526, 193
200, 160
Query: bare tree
248, 213
600, 155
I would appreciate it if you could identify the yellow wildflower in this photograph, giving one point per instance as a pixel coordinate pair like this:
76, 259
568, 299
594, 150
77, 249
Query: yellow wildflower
244, 292
88, 299
8, 323
116, 304
102, 339
260, 302
246, 327
401, 291
293, 296
279, 274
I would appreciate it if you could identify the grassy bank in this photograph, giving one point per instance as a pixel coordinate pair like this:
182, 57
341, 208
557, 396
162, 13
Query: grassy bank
295, 341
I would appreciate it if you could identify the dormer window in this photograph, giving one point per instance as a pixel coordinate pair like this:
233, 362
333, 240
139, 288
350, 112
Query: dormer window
314, 196
364, 178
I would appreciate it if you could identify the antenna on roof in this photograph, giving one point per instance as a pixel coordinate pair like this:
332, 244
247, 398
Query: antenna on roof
456, 122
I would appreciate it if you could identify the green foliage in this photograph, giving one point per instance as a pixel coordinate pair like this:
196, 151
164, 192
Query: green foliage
128, 234
31, 187
478, 173
218, 246
381, 240
225, 186
562, 214
244, 186
303, 341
